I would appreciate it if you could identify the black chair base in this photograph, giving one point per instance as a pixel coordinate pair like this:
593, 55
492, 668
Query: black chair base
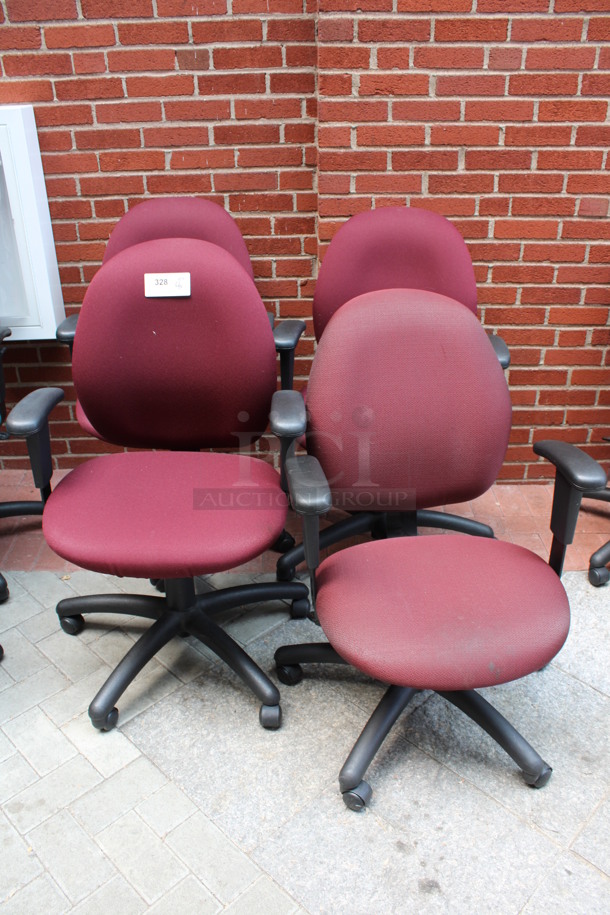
355, 790
381, 525
179, 613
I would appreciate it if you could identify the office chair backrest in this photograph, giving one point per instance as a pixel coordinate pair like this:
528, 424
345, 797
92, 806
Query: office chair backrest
408, 406
180, 372
179, 217
391, 248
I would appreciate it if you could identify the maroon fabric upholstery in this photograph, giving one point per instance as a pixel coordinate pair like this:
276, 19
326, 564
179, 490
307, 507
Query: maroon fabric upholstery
182, 373
165, 515
400, 433
179, 217
390, 248
442, 612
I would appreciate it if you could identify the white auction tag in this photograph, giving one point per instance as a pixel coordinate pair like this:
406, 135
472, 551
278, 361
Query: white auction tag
165, 285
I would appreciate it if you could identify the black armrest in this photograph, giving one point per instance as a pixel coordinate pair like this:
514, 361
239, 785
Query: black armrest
309, 490
576, 473
29, 419
66, 330
310, 497
579, 468
288, 417
286, 335
501, 350
288, 421
4, 333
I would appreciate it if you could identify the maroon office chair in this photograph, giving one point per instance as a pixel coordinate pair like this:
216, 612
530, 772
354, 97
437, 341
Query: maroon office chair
172, 376
387, 248
449, 613
186, 217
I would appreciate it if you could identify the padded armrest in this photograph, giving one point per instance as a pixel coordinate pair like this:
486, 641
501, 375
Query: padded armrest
579, 468
66, 330
577, 473
288, 418
501, 350
309, 490
30, 420
310, 497
286, 336
30, 414
288, 333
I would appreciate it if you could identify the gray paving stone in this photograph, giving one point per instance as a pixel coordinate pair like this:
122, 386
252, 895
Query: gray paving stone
115, 896
189, 897
262, 897
19, 862
17, 610
74, 699
166, 809
589, 628
112, 645
70, 655
594, 841
118, 794
41, 895
71, 856
21, 659
6, 747
47, 588
5, 679
15, 775
212, 857
40, 625
146, 862
51, 794
39, 740
27, 693
572, 888
107, 751
437, 859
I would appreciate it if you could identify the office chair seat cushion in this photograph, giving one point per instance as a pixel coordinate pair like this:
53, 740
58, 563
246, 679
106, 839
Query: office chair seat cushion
165, 514
442, 612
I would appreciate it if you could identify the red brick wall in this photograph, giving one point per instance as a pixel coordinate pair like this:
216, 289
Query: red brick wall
294, 114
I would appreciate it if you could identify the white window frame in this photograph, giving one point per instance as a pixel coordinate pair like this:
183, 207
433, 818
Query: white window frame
41, 308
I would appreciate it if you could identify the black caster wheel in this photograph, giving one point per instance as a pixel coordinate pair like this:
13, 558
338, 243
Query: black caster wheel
288, 574
358, 797
599, 577
72, 624
1, 652
270, 716
159, 584
283, 543
540, 780
4, 591
289, 674
300, 609
107, 723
